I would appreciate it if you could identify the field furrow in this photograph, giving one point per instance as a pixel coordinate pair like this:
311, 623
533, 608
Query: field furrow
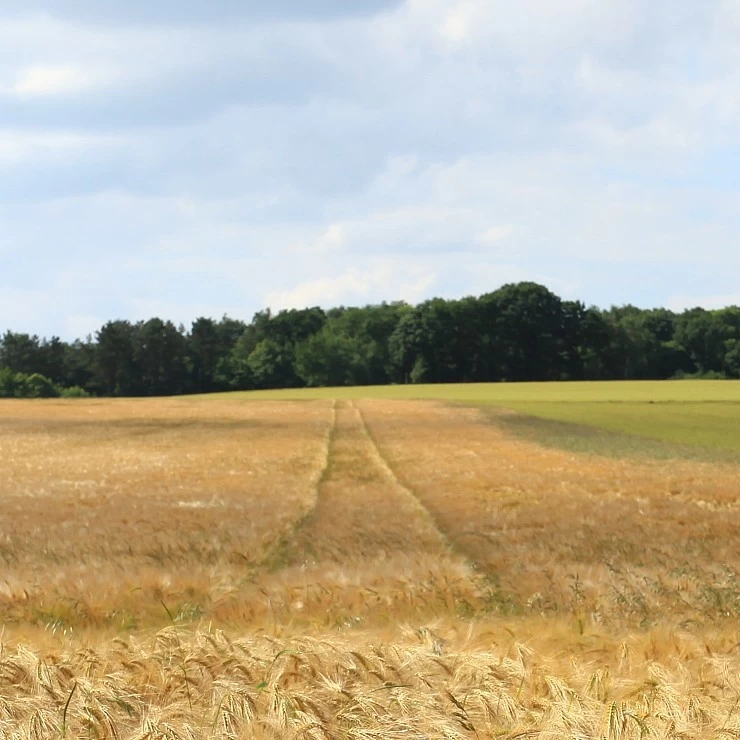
423, 514
277, 554
362, 510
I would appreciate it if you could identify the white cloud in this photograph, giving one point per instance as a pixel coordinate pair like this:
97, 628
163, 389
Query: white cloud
329, 291
47, 80
537, 27
441, 147
331, 240
402, 165
416, 290
383, 280
410, 228
17, 145
496, 234
456, 25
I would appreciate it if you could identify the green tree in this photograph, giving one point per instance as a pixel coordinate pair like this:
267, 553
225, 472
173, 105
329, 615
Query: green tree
526, 332
290, 328
52, 354
8, 383
271, 365
160, 352
702, 335
363, 335
206, 350
116, 371
331, 358
20, 353
234, 370
405, 345
732, 358
36, 385
80, 366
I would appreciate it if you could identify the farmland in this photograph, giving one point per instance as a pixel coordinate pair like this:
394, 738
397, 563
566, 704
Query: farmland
452, 561
703, 414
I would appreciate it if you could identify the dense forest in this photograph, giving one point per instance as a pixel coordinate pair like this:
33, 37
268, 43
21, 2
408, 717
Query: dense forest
520, 332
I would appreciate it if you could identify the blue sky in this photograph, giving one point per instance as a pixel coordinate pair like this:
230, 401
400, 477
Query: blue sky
183, 158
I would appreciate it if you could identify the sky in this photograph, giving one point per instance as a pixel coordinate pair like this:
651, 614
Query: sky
181, 158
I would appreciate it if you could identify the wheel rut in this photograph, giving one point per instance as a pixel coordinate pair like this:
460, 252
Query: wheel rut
397, 483
281, 552
423, 452
362, 510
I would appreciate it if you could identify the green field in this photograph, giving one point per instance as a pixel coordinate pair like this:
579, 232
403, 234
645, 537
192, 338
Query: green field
697, 414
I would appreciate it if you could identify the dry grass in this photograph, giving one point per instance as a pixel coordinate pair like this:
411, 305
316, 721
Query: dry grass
219, 568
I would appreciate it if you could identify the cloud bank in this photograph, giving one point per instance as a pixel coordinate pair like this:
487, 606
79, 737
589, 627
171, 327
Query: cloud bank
200, 158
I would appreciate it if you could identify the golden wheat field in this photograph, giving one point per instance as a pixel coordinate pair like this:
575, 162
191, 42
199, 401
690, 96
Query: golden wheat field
236, 568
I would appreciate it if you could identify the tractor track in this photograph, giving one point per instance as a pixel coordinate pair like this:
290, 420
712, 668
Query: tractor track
278, 555
361, 510
397, 483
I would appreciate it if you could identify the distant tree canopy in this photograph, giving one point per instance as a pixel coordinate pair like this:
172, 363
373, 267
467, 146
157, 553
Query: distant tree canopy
521, 332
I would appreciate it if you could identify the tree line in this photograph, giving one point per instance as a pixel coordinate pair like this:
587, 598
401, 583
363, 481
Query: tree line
520, 332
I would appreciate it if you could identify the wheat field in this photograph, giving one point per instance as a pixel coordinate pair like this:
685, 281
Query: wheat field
234, 567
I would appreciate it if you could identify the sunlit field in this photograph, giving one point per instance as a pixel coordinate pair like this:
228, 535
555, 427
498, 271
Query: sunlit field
373, 563
696, 413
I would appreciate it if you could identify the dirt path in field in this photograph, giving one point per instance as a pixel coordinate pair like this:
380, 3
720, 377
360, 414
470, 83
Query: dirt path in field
362, 510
